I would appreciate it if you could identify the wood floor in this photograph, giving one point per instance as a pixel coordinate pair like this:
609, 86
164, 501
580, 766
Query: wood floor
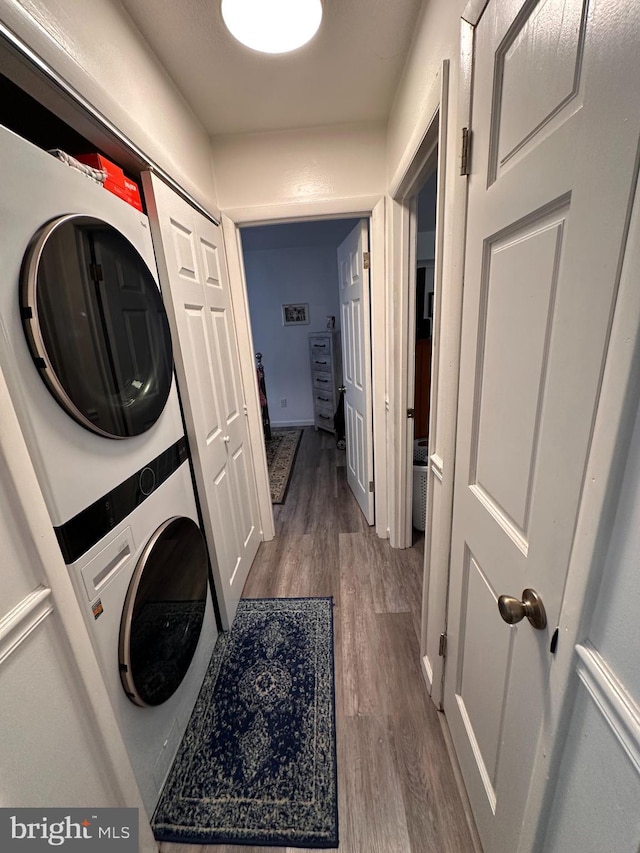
397, 790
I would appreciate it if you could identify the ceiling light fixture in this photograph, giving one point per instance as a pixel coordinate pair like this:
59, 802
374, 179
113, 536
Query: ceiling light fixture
272, 26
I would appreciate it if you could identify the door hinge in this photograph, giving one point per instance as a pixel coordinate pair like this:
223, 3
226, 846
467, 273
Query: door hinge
411, 413
442, 648
370, 485
465, 158
95, 271
366, 260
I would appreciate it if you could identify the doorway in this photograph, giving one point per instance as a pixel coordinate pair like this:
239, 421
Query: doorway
298, 320
426, 207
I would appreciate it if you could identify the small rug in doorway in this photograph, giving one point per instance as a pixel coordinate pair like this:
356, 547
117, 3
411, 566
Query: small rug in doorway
257, 764
282, 448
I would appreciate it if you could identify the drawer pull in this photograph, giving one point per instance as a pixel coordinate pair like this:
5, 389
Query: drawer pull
324, 399
319, 346
325, 417
322, 380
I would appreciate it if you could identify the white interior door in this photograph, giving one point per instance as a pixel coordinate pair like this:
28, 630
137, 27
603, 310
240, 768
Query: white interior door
195, 288
356, 364
555, 140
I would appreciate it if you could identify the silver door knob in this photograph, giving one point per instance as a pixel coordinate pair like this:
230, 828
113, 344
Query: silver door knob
512, 610
226, 439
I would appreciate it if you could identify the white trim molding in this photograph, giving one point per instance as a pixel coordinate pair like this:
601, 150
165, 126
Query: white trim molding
437, 466
614, 703
427, 672
23, 619
449, 262
379, 379
359, 207
369, 207
473, 11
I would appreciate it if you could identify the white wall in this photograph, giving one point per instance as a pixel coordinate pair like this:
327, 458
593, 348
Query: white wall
96, 48
261, 171
436, 38
276, 276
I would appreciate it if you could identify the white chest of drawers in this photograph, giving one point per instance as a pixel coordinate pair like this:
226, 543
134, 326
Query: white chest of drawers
326, 376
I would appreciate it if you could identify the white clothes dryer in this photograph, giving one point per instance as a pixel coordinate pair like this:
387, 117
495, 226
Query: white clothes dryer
84, 340
145, 596
86, 350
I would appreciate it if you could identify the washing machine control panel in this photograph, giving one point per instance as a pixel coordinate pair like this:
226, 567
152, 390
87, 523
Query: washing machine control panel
147, 480
81, 532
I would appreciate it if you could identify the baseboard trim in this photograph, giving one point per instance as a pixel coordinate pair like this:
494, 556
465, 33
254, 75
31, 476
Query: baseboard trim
287, 424
457, 773
427, 672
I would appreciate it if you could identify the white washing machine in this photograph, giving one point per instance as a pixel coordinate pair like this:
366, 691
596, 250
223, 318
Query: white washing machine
84, 340
86, 351
144, 593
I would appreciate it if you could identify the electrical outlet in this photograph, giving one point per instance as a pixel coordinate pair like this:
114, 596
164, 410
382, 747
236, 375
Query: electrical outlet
283, 403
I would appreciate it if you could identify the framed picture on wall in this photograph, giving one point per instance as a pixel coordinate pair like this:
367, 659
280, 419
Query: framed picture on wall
295, 314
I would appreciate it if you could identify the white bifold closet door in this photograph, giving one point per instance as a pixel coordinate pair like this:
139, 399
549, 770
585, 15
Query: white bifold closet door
195, 287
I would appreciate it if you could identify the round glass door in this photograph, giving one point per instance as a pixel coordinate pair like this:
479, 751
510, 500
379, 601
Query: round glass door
96, 325
163, 612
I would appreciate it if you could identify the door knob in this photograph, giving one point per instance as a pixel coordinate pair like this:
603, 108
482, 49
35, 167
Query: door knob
227, 439
512, 610
341, 389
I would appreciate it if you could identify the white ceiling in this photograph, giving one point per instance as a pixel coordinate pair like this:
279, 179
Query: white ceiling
347, 73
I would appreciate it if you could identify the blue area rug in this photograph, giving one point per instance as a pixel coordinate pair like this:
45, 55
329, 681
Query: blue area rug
257, 764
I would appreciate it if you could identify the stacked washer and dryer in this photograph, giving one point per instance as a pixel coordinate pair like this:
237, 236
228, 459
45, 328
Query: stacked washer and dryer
86, 351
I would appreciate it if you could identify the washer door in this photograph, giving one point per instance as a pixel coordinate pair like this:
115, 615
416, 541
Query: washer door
96, 326
163, 612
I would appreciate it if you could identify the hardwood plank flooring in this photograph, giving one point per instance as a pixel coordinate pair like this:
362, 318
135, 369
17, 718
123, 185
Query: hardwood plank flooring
396, 788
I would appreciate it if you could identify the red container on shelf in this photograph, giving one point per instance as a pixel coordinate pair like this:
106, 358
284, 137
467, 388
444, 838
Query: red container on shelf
116, 181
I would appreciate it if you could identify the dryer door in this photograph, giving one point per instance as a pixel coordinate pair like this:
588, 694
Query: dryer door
163, 612
96, 326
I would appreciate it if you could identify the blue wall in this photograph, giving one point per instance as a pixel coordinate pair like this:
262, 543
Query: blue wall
284, 264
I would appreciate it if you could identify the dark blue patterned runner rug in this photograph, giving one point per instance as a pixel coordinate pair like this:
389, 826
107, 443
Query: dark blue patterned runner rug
257, 764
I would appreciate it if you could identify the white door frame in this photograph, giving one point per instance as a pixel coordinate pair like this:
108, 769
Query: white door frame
372, 208
439, 146
430, 153
355, 316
